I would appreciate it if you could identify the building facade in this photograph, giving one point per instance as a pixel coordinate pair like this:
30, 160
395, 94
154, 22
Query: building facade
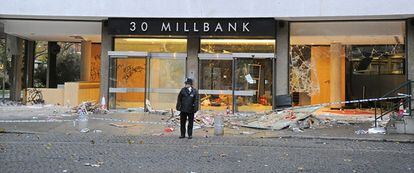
243, 55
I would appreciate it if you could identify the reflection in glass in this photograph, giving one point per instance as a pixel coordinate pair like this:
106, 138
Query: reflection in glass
216, 84
165, 74
237, 45
376, 59
151, 45
166, 80
127, 82
253, 89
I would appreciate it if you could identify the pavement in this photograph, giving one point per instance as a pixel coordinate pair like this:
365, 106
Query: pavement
106, 153
47, 139
143, 124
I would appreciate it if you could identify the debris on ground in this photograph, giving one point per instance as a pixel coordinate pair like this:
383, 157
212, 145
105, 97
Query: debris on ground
154, 111
247, 133
135, 110
97, 164
296, 119
5, 102
202, 119
282, 119
121, 125
84, 130
130, 141
97, 131
48, 146
169, 129
89, 107
376, 130
361, 132
157, 134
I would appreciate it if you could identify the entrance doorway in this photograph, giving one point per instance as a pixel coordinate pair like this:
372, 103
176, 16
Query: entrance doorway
236, 81
236, 74
140, 79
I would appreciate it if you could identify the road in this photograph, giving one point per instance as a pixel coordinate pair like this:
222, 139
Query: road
94, 152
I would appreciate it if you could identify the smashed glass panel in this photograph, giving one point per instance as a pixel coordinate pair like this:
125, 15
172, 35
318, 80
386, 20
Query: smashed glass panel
303, 76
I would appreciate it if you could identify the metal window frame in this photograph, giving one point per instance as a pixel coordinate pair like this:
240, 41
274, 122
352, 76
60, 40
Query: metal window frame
148, 56
215, 56
126, 54
234, 57
254, 55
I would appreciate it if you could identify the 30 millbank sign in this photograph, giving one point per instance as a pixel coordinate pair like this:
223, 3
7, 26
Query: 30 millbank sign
193, 26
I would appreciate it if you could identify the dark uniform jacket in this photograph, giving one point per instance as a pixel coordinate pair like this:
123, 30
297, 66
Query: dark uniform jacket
187, 101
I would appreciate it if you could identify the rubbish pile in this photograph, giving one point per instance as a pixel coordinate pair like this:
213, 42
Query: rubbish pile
201, 119
88, 107
295, 119
153, 111
6, 102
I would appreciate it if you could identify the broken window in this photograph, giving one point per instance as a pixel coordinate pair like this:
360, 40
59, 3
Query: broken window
350, 60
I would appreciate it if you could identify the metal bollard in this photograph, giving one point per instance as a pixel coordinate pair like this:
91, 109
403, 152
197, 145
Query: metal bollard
218, 125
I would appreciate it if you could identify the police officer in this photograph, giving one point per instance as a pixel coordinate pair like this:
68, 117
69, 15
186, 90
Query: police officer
187, 104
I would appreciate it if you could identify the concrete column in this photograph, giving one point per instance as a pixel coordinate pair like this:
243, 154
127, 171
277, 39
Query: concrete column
106, 45
29, 63
52, 50
14, 51
281, 81
335, 76
410, 54
86, 55
193, 46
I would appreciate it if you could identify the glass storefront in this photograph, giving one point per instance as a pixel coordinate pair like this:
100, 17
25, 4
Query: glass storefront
370, 58
156, 75
236, 72
216, 84
127, 82
253, 88
166, 79
233, 69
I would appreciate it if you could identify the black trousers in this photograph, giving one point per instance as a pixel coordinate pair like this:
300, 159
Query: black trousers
183, 119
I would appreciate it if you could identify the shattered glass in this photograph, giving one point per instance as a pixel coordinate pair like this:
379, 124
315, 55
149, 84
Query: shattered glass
303, 76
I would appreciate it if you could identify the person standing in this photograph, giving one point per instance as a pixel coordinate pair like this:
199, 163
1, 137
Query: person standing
187, 104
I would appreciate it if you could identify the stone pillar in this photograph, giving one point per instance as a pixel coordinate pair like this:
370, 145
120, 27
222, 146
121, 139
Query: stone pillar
14, 51
193, 46
106, 45
281, 81
410, 54
86, 55
30, 47
335, 75
52, 50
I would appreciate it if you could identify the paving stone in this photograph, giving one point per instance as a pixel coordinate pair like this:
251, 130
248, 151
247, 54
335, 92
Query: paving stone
58, 152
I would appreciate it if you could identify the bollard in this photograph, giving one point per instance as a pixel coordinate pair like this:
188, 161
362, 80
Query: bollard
218, 125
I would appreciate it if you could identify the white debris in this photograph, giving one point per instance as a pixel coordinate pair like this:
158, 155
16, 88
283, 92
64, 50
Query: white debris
376, 130
84, 130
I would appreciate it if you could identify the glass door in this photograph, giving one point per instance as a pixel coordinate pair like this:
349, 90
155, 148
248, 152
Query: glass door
253, 81
166, 78
127, 78
216, 75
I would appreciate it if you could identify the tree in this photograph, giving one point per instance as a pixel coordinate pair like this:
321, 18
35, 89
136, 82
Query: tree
67, 65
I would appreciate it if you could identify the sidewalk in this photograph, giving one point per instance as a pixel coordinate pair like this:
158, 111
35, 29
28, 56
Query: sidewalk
143, 124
